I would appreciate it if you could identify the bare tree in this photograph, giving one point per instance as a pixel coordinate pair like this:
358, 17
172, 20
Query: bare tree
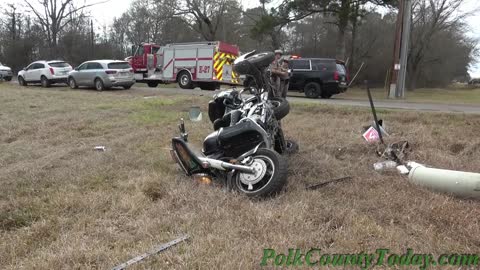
203, 16
343, 12
430, 17
14, 21
54, 16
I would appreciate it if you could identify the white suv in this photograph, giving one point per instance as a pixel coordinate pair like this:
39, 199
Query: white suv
45, 72
5, 73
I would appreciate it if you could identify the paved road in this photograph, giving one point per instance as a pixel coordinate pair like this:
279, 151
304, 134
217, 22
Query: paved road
400, 105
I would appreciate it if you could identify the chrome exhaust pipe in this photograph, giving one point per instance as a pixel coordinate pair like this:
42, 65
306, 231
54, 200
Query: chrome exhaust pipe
221, 165
241, 168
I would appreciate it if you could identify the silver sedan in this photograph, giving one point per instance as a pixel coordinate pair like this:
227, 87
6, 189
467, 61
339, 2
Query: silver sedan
102, 74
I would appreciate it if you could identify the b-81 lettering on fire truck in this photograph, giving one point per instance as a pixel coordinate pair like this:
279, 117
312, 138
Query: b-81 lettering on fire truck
204, 64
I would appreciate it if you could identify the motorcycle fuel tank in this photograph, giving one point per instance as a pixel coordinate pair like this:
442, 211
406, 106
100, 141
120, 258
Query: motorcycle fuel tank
233, 141
240, 138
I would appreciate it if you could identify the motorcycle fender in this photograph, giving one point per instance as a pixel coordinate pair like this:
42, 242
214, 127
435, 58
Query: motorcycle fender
249, 153
185, 157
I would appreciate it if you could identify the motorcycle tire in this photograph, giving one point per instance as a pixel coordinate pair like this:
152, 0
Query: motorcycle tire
281, 107
261, 60
274, 179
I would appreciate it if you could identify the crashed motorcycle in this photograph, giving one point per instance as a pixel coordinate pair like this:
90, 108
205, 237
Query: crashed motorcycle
245, 150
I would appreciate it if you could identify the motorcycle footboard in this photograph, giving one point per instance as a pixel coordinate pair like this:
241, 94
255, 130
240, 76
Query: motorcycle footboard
185, 157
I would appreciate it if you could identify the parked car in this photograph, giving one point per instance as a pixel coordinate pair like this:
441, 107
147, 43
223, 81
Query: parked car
474, 81
102, 74
45, 72
318, 77
5, 73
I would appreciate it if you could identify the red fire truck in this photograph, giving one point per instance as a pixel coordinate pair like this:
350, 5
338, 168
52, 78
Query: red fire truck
204, 64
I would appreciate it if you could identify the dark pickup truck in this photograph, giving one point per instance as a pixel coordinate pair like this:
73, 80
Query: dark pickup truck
318, 77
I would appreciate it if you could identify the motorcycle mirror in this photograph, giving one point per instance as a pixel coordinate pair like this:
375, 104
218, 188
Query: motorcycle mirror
195, 114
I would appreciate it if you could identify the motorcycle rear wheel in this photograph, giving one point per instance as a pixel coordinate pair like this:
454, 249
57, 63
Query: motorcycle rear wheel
270, 176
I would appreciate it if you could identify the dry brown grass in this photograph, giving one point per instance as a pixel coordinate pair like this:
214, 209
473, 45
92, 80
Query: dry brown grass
469, 95
65, 206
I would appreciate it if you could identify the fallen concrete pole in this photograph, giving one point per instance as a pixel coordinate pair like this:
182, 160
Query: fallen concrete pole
460, 184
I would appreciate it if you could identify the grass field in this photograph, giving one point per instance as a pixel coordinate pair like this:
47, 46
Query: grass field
64, 205
453, 95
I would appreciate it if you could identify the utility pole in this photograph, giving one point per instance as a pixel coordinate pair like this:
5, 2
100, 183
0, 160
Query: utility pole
407, 22
396, 51
92, 39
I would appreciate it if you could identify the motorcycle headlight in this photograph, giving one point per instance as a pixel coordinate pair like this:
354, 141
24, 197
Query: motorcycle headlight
202, 178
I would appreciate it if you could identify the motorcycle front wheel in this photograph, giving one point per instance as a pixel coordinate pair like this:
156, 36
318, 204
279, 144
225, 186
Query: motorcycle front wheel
281, 107
270, 175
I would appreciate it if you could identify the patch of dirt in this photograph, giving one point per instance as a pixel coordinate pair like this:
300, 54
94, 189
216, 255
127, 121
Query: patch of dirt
456, 148
10, 139
154, 191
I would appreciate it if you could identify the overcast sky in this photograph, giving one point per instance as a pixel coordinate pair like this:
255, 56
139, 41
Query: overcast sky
103, 14
107, 11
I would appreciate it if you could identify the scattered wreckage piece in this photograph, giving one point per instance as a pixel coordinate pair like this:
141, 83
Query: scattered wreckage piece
154, 251
100, 148
317, 186
374, 112
397, 151
457, 183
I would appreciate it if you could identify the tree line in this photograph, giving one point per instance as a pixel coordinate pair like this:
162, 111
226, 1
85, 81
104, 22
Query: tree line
359, 31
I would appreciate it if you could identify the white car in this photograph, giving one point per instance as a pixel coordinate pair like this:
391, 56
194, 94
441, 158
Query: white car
45, 72
5, 72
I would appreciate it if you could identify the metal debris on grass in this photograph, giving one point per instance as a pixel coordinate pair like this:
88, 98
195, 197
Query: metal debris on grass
397, 151
100, 148
154, 251
317, 186
374, 112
